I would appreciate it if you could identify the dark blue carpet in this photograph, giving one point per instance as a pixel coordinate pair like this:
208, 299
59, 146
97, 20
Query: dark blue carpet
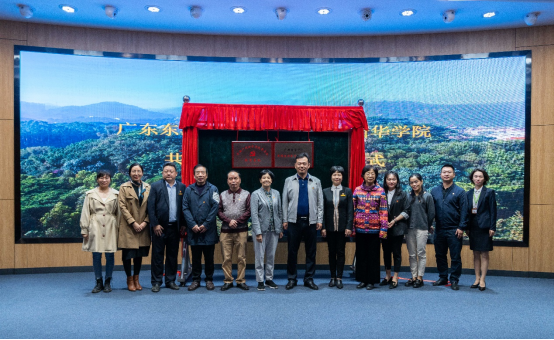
62, 306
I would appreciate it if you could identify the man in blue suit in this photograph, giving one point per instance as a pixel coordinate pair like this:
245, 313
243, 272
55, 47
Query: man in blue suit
451, 221
166, 220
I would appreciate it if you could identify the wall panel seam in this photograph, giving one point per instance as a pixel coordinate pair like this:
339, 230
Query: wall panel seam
8, 39
531, 46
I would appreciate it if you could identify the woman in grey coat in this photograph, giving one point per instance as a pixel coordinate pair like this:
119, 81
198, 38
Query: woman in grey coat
266, 214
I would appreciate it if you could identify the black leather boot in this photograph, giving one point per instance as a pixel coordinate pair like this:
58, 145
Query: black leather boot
107, 286
99, 286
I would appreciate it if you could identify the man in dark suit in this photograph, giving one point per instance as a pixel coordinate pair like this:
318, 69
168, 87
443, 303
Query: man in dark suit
451, 221
166, 219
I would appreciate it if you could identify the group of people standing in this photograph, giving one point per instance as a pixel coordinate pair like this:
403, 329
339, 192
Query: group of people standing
140, 215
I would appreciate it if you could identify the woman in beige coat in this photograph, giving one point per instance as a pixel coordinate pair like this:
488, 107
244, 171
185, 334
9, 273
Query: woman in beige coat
99, 223
134, 230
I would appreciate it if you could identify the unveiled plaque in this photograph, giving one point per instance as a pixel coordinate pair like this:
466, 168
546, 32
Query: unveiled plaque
285, 153
252, 154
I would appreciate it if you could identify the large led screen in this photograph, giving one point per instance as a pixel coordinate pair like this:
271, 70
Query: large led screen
77, 112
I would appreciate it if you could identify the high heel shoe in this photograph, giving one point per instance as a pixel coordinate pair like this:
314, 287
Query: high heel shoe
482, 288
474, 286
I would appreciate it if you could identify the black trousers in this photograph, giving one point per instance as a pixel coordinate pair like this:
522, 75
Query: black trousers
392, 245
296, 231
168, 243
197, 252
445, 239
336, 242
368, 261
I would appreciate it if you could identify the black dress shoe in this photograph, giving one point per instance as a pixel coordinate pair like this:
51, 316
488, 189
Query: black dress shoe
393, 284
339, 284
310, 284
226, 286
243, 286
385, 282
474, 286
440, 282
290, 284
156, 288
454, 285
194, 285
210, 285
172, 285
418, 283
409, 283
332, 283
370, 286
361, 285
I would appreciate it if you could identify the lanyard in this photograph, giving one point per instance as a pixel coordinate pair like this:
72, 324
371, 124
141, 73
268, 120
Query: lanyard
476, 198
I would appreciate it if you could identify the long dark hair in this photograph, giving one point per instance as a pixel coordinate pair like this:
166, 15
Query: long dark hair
398, 186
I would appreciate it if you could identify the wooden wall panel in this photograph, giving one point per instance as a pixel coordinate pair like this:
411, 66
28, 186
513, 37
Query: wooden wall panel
520, 259
57, 255
541, 239
534, 36
7, 234
14, 30
542, 161
6, 79
542, 85
257, 47
6, 160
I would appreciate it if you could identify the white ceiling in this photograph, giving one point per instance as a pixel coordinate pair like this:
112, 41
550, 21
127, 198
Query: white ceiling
302, 17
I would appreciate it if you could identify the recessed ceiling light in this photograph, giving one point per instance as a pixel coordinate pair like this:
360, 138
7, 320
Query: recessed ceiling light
153, 9
407, 12
324, 11
489, 15
238, 10
68, 9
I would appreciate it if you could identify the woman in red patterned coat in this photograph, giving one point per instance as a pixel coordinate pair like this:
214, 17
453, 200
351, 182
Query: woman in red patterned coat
370, 225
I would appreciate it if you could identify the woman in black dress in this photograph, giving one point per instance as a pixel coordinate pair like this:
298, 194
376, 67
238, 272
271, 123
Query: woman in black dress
482, 224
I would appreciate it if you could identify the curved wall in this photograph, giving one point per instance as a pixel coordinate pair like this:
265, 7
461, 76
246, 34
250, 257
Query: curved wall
537, 258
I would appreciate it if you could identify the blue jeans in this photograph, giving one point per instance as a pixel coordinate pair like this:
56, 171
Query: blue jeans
97, 264
445, 239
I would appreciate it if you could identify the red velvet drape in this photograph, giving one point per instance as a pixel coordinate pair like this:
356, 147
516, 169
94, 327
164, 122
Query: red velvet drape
272, 117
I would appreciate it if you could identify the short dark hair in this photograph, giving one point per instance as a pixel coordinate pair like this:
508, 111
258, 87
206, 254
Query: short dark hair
336, 168
302, 155
238, 173
268, 172
485, 174
448, 165
133, 165
368, 168
394, 173
166, 164
199, 166
103, 172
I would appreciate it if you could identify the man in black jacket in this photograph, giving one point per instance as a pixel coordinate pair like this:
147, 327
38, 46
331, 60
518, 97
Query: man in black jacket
166, 220
451, 221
